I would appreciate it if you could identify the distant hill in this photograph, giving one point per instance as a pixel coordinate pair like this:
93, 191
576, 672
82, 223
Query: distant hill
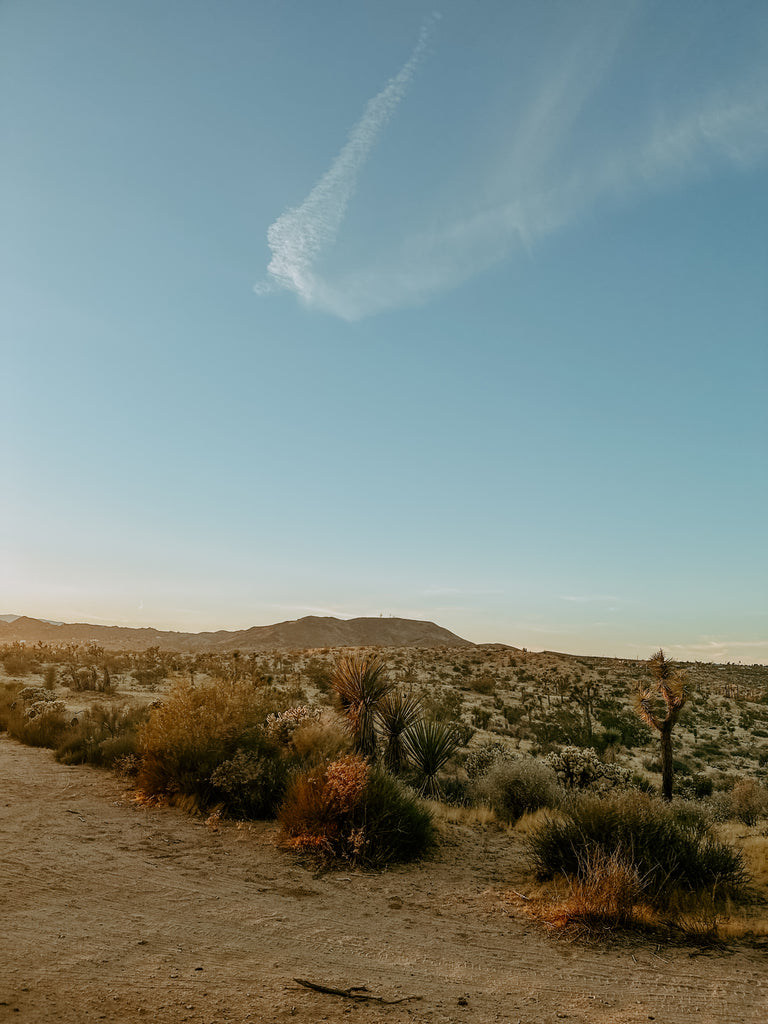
297, 634
12, 618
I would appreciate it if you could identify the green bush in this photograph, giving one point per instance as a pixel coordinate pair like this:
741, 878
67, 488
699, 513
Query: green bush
632, 732
513, 788
672, 846
253, 782
396, 826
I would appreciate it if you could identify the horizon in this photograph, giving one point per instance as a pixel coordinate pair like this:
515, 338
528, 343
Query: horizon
680, 656
455, 314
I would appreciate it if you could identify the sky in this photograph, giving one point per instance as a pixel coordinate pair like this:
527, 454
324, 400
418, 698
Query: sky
452, 311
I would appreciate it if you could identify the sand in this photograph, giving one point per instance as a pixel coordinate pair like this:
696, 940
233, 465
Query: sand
116, 912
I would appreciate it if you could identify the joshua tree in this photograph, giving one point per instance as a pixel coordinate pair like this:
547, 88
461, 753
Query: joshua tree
396, 712
361, 684
665, 696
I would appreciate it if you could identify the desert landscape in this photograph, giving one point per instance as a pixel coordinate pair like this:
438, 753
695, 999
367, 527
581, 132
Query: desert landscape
383, 548
119, 907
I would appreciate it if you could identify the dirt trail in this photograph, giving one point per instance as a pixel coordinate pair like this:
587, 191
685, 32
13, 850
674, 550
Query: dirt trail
116, 913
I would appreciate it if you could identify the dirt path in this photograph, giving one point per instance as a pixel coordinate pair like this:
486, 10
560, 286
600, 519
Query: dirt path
117, 913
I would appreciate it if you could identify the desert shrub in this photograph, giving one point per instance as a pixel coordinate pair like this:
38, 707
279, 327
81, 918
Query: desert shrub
632, 732
480, 760
457, 792
320, 740
485, 683
34, 716
319, 674
252, 784
188, 735
672, 847
463, 732
580, 768
441, 705
513, 788
317, 812
697, 786
101, 736
348, 811
283, 724
16, 665
396, 826
481, 717
563, 726
9, 694
749, 801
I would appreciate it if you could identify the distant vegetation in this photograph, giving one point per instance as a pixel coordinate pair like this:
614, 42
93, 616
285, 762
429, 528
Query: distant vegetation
343, 747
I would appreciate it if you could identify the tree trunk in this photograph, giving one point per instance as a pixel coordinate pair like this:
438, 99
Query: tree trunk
667, 768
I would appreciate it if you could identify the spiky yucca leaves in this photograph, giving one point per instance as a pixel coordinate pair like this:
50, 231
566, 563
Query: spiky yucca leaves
430, 745
361, 684
396, 713
659, 705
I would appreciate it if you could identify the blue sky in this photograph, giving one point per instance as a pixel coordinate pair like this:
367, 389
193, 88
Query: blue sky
454, 312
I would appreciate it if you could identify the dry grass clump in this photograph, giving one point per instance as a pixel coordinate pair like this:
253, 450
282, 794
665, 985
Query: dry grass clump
605, 892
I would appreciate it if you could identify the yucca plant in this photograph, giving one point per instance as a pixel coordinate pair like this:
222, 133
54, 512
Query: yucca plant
659, 704
429, 745
360, 682
396, 713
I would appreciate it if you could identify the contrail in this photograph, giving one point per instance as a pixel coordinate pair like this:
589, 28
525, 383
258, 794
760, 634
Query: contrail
299, 235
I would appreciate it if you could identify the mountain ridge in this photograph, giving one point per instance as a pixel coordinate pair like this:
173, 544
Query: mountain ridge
311, 631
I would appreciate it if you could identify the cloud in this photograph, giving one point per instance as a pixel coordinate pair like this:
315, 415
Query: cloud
300, 235
562, 151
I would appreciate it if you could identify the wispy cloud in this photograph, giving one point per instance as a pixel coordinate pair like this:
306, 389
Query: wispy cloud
300, 235
540, 180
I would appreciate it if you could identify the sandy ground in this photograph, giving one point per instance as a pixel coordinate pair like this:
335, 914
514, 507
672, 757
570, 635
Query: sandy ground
113, 912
